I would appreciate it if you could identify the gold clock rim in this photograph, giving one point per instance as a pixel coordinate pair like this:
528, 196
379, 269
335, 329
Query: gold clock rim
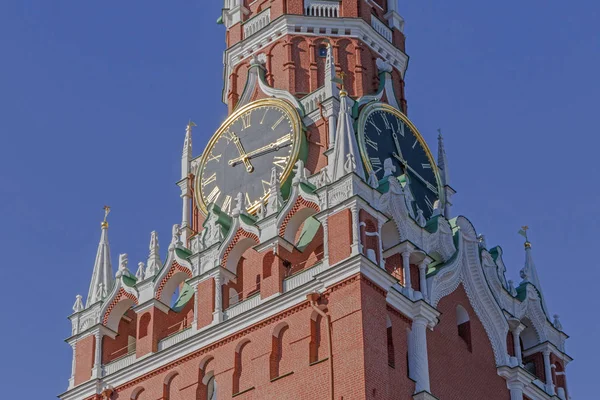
296, 126
373, 107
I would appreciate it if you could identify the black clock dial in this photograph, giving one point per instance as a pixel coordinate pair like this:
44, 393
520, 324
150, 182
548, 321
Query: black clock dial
386, 133
241, 155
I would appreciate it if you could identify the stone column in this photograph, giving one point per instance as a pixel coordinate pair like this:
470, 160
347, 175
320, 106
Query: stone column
356, 247
73, 365
406, 267
548, 371
380, 241
195, 323
185, 217
517, 343
218, 313
418, 364
325, 241
423, 278
97, 370
516, 391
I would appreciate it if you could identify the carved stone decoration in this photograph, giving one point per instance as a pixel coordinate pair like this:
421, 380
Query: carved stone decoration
123, 270
323, 179
78, 306
301, 173
275, 200
154, 263
373, 181
212, 232
139, 275
176, 237
350, 165
421, 218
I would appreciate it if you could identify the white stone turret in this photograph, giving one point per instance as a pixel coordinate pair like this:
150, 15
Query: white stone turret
393, 17
332, 94
346, 157
529, 274
275, 200
186, 196
102, 276
154, 263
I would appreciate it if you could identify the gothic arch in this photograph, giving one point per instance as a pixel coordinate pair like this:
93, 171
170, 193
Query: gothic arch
176, 275
389, 235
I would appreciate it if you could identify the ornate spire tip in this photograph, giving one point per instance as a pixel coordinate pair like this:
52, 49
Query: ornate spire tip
106, 212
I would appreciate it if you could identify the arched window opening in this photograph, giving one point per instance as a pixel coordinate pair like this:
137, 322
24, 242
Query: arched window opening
390, 344
124, 343
316, 338
560, 380
234, 297
464, 326
241, 367
171, 387
280, 352
207, 383
144, 325
137, 394
211, 389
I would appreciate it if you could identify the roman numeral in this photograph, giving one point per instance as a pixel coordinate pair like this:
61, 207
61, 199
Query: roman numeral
209, 180
376, 164
248, 201
263, 117
386, 122
401, 128
228, 135
276, 124
212, 157
247, 120
371, 143
226, 204
426, 166
281, 162
431, 187
266, 186
429, 204
213, 196
376, 127
415, 143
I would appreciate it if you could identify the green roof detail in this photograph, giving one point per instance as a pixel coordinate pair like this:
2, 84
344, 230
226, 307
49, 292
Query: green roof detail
220, 20
129, 281
183, 253
309, 231
185, 295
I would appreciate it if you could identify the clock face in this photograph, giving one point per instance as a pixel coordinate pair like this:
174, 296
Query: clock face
386, 133
240, 156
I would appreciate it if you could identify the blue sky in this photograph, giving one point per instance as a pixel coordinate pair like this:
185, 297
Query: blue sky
95, 96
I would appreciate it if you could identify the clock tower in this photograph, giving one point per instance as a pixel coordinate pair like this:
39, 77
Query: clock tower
317, 256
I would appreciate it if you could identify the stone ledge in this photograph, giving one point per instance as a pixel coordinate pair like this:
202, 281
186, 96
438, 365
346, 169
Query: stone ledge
424, 396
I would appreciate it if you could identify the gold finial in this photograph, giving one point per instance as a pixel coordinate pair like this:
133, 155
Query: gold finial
343, 92
523, 232
106, 212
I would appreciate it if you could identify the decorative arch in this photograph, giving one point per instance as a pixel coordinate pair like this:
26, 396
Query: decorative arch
241, 242
241, 366
466, 268
389, 235
316, 345
295, 216
301, 61
170, 282
463, 324
115, 310
171, 386
207, 384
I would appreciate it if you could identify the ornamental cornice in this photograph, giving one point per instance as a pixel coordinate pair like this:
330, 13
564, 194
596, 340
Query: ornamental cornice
300, 25
519, 378
548, 347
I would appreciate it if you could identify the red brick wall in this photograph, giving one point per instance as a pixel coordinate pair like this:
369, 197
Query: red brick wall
117, 347
455, 372
84, 359
344, 303
340, 236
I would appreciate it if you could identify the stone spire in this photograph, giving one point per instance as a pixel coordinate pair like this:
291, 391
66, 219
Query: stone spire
442, 160
331, 88
102, 275
529, 273
186, 155
346, 155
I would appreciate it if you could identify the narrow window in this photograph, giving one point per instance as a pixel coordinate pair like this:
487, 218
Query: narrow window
315, 338
464, 326
278, 349
390, 344
241, 365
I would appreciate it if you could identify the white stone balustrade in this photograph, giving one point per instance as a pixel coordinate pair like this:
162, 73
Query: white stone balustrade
302, 277
322, 8
311, 102
257, 23
242, 306
174, 339
382, 29
119, 364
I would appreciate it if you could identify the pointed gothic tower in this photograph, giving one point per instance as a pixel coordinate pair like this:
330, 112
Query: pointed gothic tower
316, 256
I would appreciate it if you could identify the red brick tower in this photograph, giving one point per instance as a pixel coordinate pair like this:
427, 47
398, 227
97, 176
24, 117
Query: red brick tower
317, 257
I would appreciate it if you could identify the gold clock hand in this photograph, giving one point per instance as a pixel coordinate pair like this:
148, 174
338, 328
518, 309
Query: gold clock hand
243, 155
415, 173
282, 142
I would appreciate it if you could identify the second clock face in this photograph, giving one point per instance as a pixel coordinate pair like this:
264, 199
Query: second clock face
386, 133
240, 156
